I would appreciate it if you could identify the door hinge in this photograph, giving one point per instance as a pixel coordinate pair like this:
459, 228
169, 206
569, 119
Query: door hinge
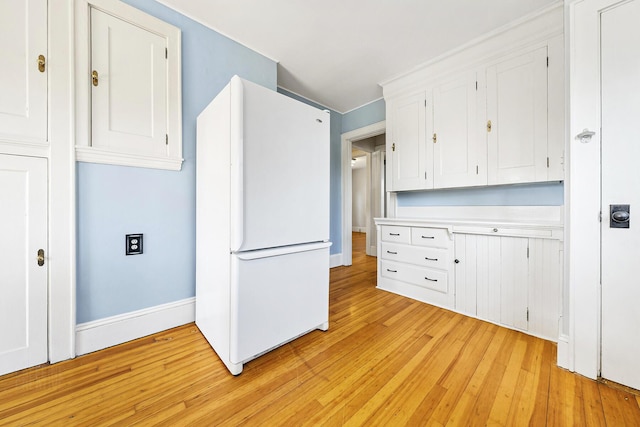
527, 251
547, 62
476, 85
425, 175
166, 139
166, 53
393, 147
547, 162
527, 314
476, 169
425, 102
600, 216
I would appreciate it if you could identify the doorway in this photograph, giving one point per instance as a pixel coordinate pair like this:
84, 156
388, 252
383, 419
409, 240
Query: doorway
348, 139
368, 188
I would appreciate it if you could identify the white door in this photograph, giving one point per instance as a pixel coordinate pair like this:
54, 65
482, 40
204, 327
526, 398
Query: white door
517, 109
23, 81
23, 281
129, 92
455, 138
620, 67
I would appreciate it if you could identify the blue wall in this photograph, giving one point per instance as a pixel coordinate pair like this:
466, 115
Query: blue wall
335, 220
539, 194
113, 201
368, 114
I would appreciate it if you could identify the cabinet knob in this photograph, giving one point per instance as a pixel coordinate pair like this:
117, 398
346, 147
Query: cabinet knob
457, 261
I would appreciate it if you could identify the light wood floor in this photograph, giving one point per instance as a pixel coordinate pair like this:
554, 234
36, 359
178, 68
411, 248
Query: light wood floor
386, 360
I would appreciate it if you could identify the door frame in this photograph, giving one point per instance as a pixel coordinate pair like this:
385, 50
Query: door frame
347, 138
62, 185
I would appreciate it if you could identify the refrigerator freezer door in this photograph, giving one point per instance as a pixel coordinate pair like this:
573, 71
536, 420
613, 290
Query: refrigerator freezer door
280, 169
275, 299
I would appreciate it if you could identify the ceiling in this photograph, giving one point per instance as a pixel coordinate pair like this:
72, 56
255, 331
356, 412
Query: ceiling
336, 52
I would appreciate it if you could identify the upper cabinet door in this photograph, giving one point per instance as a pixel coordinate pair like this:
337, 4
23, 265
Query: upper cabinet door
129, 87
409, 156
458, 153
23, 81
517, 111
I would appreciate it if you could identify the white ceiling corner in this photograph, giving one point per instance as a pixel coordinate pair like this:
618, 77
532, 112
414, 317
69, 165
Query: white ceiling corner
336, 52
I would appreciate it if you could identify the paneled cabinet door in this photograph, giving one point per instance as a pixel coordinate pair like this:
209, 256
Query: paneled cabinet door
517, 111
492, 278
411, 157
458, 150
129, 92
23, 71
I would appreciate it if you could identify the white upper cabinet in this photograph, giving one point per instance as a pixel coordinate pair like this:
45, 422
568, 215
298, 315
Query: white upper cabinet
407, 148
458, 152
128, 92
517, 119
23, 71
494, 111
129, 87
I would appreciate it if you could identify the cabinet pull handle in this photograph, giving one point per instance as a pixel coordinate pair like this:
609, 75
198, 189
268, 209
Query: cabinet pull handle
392, 271
394, 234
94, 78
40, 257
392, 253
431, 280
41, 63
430, 259
428, 237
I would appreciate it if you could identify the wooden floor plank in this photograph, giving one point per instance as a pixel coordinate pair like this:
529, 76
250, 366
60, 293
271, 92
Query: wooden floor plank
385, 360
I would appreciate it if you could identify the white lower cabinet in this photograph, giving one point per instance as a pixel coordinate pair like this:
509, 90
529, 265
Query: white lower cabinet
415, 262
511, 281
511, 277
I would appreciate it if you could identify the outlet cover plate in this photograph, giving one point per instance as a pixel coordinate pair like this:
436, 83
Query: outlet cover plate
133, 244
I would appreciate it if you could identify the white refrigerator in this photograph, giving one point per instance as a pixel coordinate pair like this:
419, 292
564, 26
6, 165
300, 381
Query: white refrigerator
262, 221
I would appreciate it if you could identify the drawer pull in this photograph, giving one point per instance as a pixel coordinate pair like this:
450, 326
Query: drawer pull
428, 237
430, 259
431, 280
392, 253
394, 234
392, 271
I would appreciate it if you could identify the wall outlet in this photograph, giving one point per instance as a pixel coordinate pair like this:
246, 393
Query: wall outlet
134, 244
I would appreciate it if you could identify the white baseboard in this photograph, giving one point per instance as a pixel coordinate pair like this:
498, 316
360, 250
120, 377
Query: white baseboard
359, 229
103, 333
335, 260
564, 359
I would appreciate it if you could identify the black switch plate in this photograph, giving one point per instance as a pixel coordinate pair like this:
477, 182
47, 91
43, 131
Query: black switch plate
134, 244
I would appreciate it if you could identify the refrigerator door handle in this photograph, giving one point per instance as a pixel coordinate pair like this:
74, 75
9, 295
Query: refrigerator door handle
284, 250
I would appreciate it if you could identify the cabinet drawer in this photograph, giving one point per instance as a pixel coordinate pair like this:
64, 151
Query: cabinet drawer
394, 233
424, 277
435, 237
422, 256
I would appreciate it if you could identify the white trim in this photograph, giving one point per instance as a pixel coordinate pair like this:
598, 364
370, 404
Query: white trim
335, 260
62, 191
173, 160
363, 105
347, 139
359, 229
109, 157
110, 331
564, 359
